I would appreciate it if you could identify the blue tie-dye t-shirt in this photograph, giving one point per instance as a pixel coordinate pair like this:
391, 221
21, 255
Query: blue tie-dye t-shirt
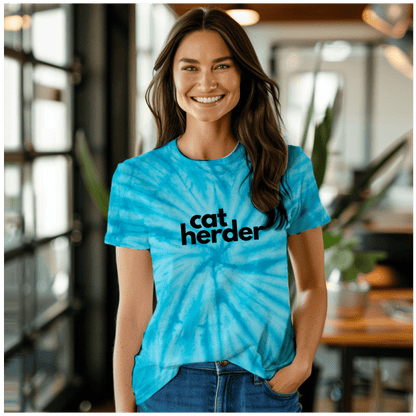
221, 280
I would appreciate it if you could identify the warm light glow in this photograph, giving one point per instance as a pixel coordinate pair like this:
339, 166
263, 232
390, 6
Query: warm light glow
373, 19
16, 23
399, 30
394, 11
27, 21
399, 60
13, 23
244, 17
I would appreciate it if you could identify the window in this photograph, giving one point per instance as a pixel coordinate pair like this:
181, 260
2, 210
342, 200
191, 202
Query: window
38, 169
343, 65
153, 23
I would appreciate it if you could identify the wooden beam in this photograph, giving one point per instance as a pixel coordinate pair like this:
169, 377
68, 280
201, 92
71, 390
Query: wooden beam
288, 12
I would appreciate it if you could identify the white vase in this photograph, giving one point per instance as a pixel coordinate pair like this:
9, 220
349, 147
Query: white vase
346, 300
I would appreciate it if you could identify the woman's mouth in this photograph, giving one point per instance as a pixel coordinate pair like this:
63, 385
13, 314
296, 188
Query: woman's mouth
208, 100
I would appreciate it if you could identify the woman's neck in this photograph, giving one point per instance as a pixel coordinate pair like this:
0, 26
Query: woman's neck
207, 141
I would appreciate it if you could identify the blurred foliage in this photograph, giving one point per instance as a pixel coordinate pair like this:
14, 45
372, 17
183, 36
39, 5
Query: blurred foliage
342, 253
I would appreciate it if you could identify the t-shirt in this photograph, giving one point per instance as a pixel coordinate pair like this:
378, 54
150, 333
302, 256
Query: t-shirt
221, 279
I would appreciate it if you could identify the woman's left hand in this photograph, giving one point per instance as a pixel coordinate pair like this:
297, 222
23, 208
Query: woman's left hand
290, 378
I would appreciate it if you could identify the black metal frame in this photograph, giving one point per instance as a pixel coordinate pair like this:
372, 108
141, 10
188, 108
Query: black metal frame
27, 155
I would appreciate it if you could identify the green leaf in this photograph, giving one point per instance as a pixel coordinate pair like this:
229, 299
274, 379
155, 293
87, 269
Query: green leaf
342, 259
350, 242
350, 274
370, 173
365, 262
336, 107
319, 155
330, 240
311, 105
372, 201
96, 188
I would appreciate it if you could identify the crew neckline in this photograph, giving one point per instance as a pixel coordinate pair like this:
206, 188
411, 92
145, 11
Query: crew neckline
235, 155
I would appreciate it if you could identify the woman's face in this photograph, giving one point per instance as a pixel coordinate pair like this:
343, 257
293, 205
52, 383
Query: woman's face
206, 78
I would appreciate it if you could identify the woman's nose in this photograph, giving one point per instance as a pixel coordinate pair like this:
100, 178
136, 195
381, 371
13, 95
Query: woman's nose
207, 81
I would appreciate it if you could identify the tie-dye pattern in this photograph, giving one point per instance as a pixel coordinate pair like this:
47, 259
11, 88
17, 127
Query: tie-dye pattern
224, 300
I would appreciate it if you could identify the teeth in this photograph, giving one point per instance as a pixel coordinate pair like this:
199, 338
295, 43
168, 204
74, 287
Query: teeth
207, 100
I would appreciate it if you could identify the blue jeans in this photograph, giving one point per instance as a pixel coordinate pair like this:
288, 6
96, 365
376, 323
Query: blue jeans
219, 386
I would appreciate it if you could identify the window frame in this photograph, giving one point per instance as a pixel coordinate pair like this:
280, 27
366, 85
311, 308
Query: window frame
60, 311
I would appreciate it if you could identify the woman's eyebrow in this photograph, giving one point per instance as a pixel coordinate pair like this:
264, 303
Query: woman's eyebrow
194, 61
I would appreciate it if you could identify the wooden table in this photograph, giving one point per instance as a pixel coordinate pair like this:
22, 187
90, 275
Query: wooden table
374, 334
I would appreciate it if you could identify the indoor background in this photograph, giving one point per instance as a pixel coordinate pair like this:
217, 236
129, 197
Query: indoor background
75, 76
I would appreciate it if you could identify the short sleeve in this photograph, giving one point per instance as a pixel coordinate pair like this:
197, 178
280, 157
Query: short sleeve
126, 213
305, 209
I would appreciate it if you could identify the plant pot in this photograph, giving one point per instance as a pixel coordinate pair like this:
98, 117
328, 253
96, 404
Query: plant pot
346, 300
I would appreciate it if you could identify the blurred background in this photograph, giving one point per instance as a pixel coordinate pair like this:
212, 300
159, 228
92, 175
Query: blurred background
74, 82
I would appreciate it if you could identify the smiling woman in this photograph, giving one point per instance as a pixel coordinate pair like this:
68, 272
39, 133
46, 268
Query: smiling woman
202, 216
212, 80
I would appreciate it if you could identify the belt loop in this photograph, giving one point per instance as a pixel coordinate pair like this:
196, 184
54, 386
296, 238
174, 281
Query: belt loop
257, 379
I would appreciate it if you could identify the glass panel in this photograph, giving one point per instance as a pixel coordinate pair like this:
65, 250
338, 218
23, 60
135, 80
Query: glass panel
12, 382
13, 105
50, 35
50, 126
163, 19
144, 71
143, 26
13, 220
13, 273
50, 108
51, 77
29, 368
29, 290
51, 180
53, 363
28, 202
52, 273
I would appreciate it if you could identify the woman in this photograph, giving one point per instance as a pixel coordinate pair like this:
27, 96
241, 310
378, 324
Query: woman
203, 217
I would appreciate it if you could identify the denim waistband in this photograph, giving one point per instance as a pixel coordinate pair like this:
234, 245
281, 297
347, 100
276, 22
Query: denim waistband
217, 367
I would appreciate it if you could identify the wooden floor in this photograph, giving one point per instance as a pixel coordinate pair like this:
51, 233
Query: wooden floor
323, 405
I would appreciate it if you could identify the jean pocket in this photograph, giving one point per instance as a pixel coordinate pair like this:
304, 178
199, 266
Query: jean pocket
276, 393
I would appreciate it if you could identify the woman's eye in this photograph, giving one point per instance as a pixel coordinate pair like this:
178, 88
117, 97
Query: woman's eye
188, 68
222, 66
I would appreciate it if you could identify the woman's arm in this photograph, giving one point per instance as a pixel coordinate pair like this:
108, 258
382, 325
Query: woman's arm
306, 252
135, 276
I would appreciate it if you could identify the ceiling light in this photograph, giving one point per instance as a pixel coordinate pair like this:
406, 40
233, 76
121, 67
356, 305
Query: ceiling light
243, 16
13, 23
399, 53
390, 19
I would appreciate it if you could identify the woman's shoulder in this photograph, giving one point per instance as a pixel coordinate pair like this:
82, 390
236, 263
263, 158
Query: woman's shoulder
296, 156
147, 164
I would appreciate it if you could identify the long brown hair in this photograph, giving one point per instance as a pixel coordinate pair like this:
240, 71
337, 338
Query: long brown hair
255, 121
